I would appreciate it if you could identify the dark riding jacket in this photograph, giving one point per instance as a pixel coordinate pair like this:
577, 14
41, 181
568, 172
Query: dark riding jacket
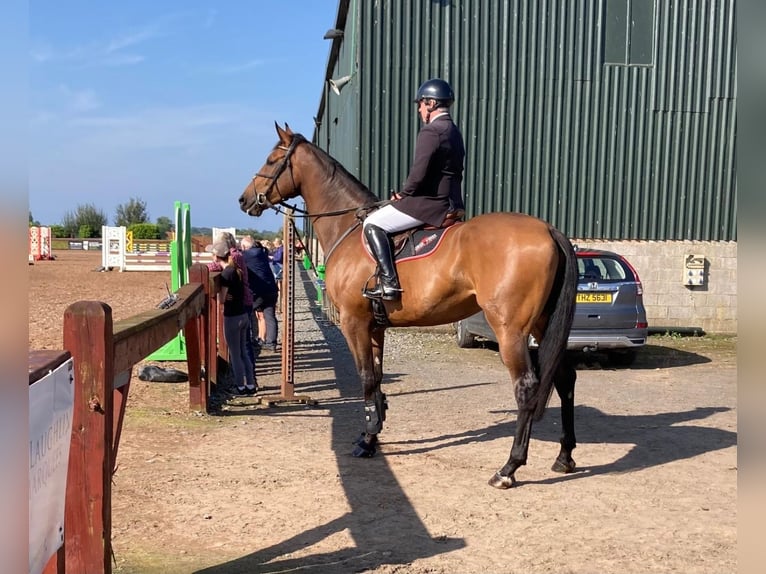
434, 184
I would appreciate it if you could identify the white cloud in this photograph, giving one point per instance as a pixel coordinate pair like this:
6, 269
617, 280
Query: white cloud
190, 129
110, 52
72, 101
122, 60
132, 38
237, 68
43, 53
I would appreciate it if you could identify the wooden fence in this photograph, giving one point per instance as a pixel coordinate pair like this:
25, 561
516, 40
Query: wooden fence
104, 354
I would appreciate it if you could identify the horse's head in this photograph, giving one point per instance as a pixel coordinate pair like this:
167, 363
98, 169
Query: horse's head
277, 180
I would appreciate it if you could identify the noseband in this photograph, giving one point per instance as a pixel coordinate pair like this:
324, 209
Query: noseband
261, 199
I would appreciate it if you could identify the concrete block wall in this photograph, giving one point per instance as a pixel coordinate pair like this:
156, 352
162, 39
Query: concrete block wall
668, 302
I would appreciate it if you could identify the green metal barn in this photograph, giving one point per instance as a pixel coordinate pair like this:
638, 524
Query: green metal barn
615, 120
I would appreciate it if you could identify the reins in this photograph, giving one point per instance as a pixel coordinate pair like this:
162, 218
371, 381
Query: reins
360, 213
282, 206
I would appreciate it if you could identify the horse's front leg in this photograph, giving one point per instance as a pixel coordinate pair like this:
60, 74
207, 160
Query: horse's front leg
375, 404
378, 339
367, 349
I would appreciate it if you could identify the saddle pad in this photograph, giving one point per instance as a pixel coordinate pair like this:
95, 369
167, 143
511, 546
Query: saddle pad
415, 244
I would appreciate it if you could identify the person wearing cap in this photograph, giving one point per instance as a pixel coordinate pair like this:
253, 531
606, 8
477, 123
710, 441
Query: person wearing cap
433, 188
239, 260
236, 318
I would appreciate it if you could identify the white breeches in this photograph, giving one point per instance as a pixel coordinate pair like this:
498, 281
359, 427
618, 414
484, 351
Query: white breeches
391, 220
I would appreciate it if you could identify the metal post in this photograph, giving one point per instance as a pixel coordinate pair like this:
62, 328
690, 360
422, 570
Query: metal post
287, 394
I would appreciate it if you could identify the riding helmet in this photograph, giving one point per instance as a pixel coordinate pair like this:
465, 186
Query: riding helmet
436, 89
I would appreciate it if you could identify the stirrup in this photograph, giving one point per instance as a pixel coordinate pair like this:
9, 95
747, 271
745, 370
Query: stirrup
381, 292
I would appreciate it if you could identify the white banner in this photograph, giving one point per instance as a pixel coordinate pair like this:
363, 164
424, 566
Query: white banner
218, 230
51, 403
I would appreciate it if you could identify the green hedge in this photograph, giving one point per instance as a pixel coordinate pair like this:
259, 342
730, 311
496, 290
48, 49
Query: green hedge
145, 231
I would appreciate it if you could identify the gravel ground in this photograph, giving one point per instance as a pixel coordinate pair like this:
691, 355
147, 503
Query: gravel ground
250, 489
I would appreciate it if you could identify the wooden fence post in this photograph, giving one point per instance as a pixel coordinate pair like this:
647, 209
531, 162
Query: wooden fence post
89, 337
195, 332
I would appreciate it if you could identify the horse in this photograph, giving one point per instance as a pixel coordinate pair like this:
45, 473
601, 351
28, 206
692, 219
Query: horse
518, 269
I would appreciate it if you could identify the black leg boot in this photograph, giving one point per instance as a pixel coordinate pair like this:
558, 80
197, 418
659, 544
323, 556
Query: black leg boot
380, 244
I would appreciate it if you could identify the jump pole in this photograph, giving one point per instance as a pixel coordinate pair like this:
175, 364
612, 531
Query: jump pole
287, 390
180, 263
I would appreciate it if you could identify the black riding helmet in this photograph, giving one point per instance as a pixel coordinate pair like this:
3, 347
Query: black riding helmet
436, 89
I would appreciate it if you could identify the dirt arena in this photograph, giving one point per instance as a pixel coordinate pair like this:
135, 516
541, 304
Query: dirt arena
250, 489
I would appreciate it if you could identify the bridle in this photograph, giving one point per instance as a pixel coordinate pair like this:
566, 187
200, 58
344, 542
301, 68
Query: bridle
261, 199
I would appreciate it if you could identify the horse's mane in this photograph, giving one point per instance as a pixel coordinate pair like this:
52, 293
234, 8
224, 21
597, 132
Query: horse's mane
339, 176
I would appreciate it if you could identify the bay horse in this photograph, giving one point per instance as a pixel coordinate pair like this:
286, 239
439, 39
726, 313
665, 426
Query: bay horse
520, 270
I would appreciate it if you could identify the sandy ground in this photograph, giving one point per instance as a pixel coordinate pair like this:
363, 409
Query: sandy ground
255, 489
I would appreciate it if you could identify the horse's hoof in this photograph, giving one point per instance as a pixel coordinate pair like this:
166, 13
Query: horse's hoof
363, 450
502, 482
564, 467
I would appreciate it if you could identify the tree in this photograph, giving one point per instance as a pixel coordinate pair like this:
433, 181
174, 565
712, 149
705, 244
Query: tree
86, 219
145, 231
59, 231
130, 213
164, 225
32, 221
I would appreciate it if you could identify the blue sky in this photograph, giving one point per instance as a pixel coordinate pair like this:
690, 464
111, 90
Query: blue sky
169, 100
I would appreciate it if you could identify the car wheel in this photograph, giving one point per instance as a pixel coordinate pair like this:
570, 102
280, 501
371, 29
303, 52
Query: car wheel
623, 358
465, 339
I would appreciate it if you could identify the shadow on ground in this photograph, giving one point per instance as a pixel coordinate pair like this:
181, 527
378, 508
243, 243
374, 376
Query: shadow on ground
383, 528
647, 357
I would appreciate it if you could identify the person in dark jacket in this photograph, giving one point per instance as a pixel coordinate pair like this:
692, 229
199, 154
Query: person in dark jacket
264, 289
433, 187
235, 318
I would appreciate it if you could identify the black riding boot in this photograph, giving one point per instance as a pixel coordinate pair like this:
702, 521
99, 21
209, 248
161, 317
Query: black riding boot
380, 244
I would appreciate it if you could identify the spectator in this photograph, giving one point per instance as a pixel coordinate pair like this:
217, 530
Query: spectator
277, 258
299, 247
235, 318
236, 254
264, 289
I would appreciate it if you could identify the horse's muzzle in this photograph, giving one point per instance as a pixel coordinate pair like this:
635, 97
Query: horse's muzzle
254, 207
248, 207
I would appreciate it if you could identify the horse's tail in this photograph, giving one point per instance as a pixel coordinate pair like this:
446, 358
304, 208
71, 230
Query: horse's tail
561, 307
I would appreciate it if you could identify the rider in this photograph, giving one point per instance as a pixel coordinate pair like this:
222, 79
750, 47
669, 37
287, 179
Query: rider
432, 189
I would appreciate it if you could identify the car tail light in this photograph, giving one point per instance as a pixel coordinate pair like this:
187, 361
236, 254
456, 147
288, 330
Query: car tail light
640, 325
639, 286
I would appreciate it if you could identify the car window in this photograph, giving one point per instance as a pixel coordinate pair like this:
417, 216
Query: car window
601, 269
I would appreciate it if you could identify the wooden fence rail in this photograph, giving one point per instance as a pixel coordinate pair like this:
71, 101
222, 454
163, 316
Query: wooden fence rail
104, 354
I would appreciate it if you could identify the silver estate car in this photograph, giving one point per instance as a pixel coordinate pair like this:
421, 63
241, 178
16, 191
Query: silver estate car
609, 315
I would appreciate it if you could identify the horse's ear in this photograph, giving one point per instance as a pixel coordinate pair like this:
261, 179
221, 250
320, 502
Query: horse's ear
288, 130
284, 136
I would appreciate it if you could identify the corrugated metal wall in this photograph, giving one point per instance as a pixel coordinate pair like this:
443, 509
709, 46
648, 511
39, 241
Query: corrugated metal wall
612, 119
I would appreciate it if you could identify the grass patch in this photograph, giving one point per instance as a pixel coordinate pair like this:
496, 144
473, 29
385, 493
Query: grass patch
155, 417
710, 342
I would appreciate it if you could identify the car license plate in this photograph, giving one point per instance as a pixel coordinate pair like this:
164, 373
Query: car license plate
594, 297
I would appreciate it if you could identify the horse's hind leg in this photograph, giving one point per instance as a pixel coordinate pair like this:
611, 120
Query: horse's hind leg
566, 375
515, 355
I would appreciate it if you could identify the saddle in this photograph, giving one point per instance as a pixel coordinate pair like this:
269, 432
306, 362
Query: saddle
423, 240
414, 243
